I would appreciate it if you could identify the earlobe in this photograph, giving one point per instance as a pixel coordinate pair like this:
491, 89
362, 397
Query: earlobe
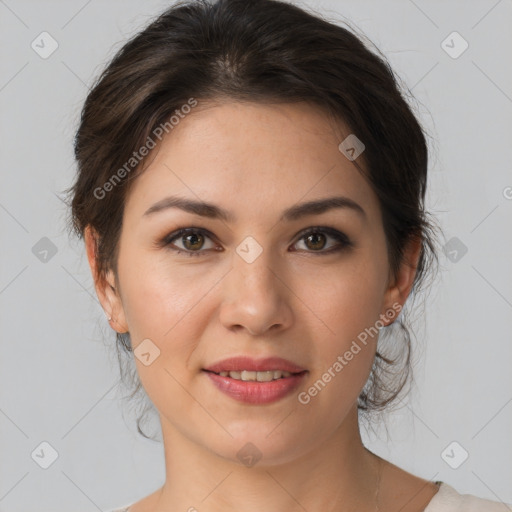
108, 296
397, 293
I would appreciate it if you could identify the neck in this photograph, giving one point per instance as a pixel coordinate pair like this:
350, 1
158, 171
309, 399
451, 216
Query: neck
338, 473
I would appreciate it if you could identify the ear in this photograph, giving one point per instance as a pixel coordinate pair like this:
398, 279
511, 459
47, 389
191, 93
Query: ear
105, 286
401, 285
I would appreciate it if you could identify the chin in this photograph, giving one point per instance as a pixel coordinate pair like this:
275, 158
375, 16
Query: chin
256, 444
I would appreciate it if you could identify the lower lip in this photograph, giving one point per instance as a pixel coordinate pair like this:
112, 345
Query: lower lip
252, 392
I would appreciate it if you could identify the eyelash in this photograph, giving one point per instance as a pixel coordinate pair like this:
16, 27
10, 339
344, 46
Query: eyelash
344, 242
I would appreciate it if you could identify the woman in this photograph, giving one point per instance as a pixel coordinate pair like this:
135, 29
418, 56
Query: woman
251, 194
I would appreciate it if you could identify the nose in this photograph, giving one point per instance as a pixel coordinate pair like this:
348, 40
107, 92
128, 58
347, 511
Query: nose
256, 297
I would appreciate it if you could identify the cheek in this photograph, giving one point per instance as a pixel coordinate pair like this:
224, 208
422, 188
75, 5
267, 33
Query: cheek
347, 301
342, 359
347, 298
164, 305
158, 298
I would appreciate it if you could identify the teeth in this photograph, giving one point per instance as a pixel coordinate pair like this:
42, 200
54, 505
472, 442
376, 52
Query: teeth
246, 375
264, 376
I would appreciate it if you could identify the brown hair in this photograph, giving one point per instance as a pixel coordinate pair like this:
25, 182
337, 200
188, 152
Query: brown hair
256, 51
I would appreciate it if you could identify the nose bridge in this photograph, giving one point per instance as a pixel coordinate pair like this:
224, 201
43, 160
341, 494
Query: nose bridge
253, 267
255, 296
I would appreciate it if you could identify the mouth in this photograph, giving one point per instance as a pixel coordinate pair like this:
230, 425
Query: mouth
253, 376
256, 381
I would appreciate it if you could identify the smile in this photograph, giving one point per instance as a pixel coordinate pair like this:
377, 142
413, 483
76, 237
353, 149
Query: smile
247, 375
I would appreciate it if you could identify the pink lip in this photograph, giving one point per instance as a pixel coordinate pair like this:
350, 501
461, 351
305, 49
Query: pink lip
237, 364
256, 392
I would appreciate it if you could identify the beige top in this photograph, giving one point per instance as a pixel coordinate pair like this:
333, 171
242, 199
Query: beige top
447, 499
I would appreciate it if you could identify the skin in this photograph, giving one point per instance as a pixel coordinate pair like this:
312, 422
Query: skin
255, 161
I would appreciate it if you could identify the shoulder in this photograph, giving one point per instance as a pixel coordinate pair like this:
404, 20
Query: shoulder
447, 499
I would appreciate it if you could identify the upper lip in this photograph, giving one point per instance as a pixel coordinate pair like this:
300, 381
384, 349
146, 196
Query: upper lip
236, 364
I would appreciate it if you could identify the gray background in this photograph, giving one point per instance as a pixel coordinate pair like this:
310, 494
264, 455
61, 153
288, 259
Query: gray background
58, 376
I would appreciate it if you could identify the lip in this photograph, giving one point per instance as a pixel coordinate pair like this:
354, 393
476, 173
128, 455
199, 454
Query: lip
253, 392
239, 363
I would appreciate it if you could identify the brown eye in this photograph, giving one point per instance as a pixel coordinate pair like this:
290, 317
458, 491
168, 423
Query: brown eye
193, 241
315, 241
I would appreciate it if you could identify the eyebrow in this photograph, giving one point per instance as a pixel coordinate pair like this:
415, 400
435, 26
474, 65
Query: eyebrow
212, 211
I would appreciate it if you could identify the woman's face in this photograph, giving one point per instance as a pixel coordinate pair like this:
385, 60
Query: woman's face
253, 283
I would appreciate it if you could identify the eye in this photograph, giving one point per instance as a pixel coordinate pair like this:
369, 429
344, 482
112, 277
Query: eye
193, 240
315, 239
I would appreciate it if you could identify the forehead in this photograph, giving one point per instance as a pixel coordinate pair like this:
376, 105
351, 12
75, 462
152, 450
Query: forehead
251, 158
